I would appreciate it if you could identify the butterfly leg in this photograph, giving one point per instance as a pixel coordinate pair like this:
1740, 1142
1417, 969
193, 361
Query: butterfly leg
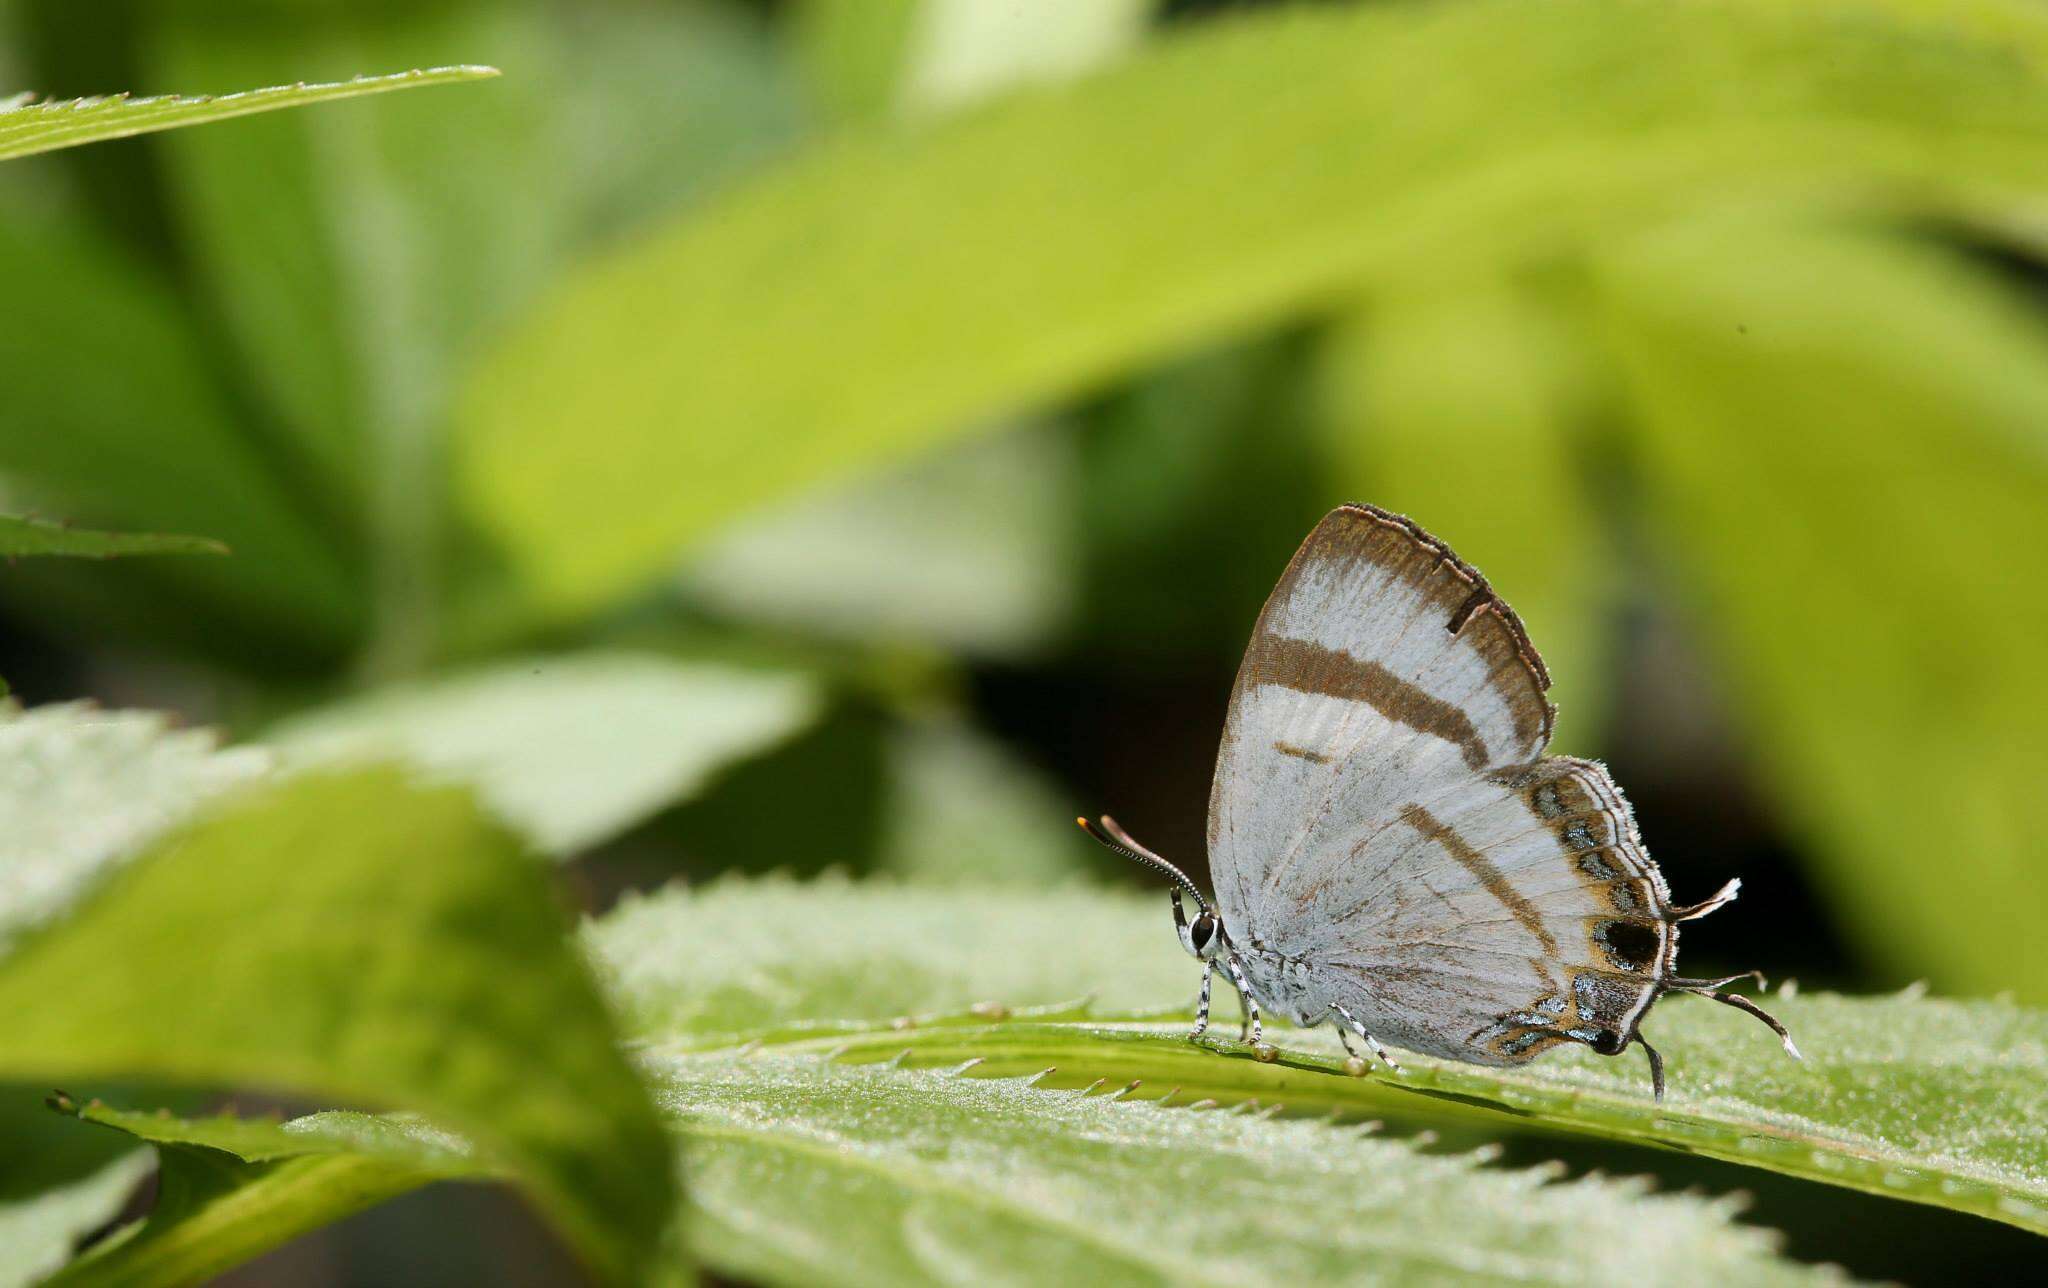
1249, 1031
1656, 1068
1351, 1025
1202, 1003
1354, 1063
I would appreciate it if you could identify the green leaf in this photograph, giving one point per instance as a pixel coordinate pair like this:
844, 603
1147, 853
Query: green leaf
83, 790
962, 808
161, 449
960, 51
1161, 459
815, 1172
877, 58
852, 53
1842, 436
397, 1138
667, 105
1040, 245
573, 750
833, 954
27, 128
19, 536
808, 1172
353, 253
1938, 1102
796, 1068
37, 1234
355, 938
968, 550
230, 1188
358, 258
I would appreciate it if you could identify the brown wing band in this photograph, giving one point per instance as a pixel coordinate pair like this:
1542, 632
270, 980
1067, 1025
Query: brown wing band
1306, 667
1482, 868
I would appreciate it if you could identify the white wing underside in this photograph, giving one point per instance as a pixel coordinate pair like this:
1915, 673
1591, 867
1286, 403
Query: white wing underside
1382, 810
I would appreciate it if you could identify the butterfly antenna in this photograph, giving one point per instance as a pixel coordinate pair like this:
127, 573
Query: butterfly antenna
1115, 838
1741, 1003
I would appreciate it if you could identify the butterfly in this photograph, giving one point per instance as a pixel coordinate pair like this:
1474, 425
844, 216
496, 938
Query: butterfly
1392, 852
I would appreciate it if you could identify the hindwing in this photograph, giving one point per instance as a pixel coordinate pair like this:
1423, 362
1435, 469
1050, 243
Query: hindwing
1513, 912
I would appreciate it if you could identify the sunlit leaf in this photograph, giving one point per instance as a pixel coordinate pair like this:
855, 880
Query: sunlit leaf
82, 790
876, 58
19, 536
900, 950
355, 938
1939, 1102
1843, 438
961, 51
892, 289
30, 127
569, 750
808, 1172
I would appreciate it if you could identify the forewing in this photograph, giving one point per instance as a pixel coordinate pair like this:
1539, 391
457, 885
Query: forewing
1513, 912
1382, 671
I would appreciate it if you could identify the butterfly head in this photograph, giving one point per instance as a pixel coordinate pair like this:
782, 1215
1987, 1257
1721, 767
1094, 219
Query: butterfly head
1203, 935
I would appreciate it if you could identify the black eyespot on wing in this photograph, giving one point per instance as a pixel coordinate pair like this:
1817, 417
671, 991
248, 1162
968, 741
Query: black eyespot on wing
1631, 945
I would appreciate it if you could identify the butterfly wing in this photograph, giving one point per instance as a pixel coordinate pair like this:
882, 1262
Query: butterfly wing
1515, 911
1383, 812
1383, 671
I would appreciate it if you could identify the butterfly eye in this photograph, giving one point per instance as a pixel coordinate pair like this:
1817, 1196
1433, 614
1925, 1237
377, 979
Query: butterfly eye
1607, 1042
1202, 932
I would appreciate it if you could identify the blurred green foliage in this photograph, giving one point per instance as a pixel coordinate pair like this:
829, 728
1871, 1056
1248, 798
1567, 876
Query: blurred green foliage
295, 941
836, 434
20, 537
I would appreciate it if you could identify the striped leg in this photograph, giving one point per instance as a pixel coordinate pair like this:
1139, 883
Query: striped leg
1354, 1026
1202, 1003
1249, 1031
1344, 1036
